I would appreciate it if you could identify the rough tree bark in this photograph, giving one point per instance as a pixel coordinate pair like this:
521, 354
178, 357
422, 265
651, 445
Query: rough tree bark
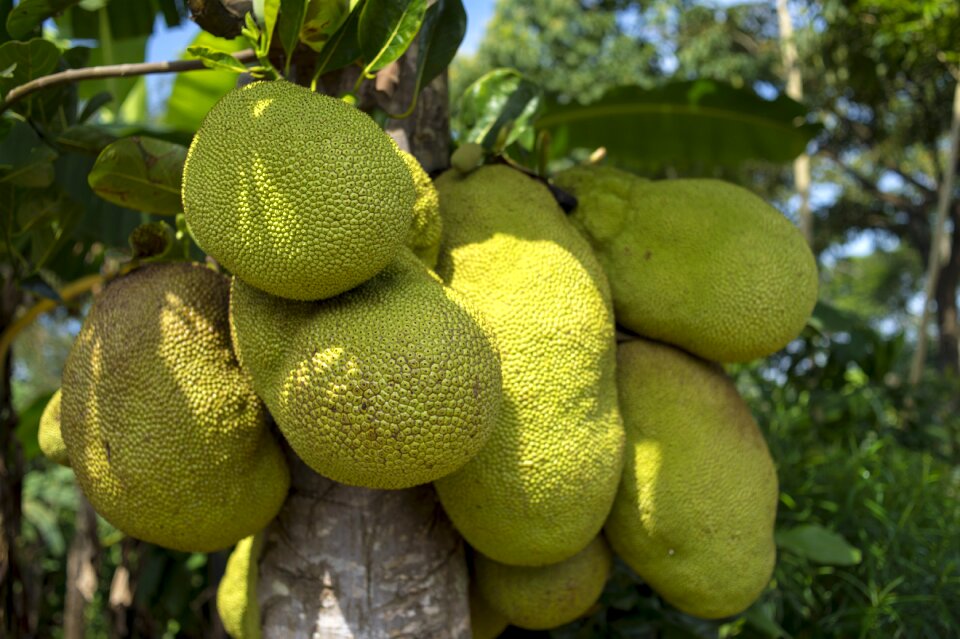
14, 593
948, 326
801, 165
341, 561
81, 570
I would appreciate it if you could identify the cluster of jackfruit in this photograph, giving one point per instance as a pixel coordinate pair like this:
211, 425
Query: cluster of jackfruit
462, 331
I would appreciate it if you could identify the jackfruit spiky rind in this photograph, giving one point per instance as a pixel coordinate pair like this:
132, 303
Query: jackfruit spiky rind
424, 235
49, 436
694, 516
544, 597
541, 488
392, 384
699, 263
237, 602
296, 193
166, 436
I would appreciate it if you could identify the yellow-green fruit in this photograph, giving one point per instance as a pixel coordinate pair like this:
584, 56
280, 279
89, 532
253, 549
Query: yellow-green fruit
538, 598
49, 435
166, 436
297, 193
485, 622
702, 264
390, 385
237, 593
541, 488
696, 508
424, 235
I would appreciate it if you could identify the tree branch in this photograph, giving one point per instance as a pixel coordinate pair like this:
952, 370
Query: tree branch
110, 71
870, 185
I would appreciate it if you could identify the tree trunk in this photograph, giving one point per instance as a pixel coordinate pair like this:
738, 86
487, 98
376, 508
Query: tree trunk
341, 561
14, 593
939, 242
81, 570
948, 328
801, 166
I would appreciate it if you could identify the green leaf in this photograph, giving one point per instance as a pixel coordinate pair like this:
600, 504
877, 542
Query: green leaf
194, 93
26, 61
51, 217
321, 20
387, 28
25, 160
85, 138
127, 20
140, 173
214, 59
343, 48
443, 29
266, 12
497, 109
819, 545
29, 14
700, 123
292, 15
93, 105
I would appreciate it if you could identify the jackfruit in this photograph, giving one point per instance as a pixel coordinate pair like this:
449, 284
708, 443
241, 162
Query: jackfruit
297, 193
702, 264
423, 238
695, 512
541, 488
485, 622
166, 436
49, 436
546, 596
237, 602
390, 385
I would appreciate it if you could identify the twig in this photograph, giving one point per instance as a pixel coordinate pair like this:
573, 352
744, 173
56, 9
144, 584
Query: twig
111, 71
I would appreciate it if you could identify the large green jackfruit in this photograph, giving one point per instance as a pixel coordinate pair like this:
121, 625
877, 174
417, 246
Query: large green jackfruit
49, 436
696, 508
541, 488
297, 193
485, 622
544, 597
237, 602
392, 384
424, 235
166, 436
702, 264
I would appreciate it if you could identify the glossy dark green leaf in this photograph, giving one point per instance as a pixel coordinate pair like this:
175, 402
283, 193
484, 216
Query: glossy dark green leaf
25, 160
819, 545
140, 173
292, 14
387, 28
29, 14
343, 48
25, 61
214, 59
93, 105
497, 109
700, 123
443, 29
52, 217
127, 19
85, 138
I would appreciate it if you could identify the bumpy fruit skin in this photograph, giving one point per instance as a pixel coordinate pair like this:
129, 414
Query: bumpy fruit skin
390, 385
546, 596
695, 512
424, 235
702, 264
485, 622
237, 593
166, 436
49, 436
297, 193
541, 488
